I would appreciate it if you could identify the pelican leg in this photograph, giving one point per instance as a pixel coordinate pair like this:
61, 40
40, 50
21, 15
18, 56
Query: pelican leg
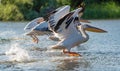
34, 38
71, 53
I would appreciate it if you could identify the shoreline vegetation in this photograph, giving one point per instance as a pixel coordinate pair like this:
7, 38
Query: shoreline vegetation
26, 10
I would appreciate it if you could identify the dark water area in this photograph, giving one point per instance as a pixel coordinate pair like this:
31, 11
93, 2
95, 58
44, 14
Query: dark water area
19, 53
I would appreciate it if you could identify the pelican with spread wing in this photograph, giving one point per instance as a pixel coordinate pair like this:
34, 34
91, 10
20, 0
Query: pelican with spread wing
71, 32
39, 26
66, 26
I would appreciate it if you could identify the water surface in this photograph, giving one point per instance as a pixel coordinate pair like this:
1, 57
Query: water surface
19, 53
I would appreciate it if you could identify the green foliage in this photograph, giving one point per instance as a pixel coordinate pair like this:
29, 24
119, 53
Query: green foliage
10, 12
14, 9
108, 10
18, 10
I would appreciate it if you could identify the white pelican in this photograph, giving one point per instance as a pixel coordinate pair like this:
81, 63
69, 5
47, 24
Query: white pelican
71, 32
40, 27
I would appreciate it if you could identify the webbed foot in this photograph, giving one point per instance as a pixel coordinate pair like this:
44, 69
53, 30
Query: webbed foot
71, 53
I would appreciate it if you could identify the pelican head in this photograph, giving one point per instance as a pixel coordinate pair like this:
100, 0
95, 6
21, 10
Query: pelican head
85, 27
93, 29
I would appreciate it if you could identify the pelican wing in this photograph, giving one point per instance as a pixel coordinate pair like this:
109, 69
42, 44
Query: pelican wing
32, 24
43, 26
67, 21
60, 13
69, 34
40, 29
56, 10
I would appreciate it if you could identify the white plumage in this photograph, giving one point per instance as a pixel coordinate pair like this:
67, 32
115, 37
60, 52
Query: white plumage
33, 23
65, 26
39, 27
71, 32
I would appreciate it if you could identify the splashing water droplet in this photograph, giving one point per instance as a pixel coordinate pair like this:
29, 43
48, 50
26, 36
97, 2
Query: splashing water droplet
18, 54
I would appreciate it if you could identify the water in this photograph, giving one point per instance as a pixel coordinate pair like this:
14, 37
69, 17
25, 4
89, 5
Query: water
19, 53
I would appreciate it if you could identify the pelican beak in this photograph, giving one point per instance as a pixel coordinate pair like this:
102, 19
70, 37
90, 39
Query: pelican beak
85, 21
94, 29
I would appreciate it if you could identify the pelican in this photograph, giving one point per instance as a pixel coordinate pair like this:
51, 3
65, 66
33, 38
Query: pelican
39, 26
67, 27
59, 12
71, 32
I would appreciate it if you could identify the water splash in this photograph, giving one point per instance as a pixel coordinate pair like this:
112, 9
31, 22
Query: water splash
18, 54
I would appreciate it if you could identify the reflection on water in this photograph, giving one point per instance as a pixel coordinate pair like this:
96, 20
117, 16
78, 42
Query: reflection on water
72, 64
19, 53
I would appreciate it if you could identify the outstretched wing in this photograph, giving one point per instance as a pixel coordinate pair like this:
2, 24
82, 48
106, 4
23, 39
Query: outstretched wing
32, 23
36, 21
69, 32
40, 29
60, 13
66, 22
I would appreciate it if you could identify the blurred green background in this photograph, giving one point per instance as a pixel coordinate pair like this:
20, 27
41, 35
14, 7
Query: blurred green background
24, 10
